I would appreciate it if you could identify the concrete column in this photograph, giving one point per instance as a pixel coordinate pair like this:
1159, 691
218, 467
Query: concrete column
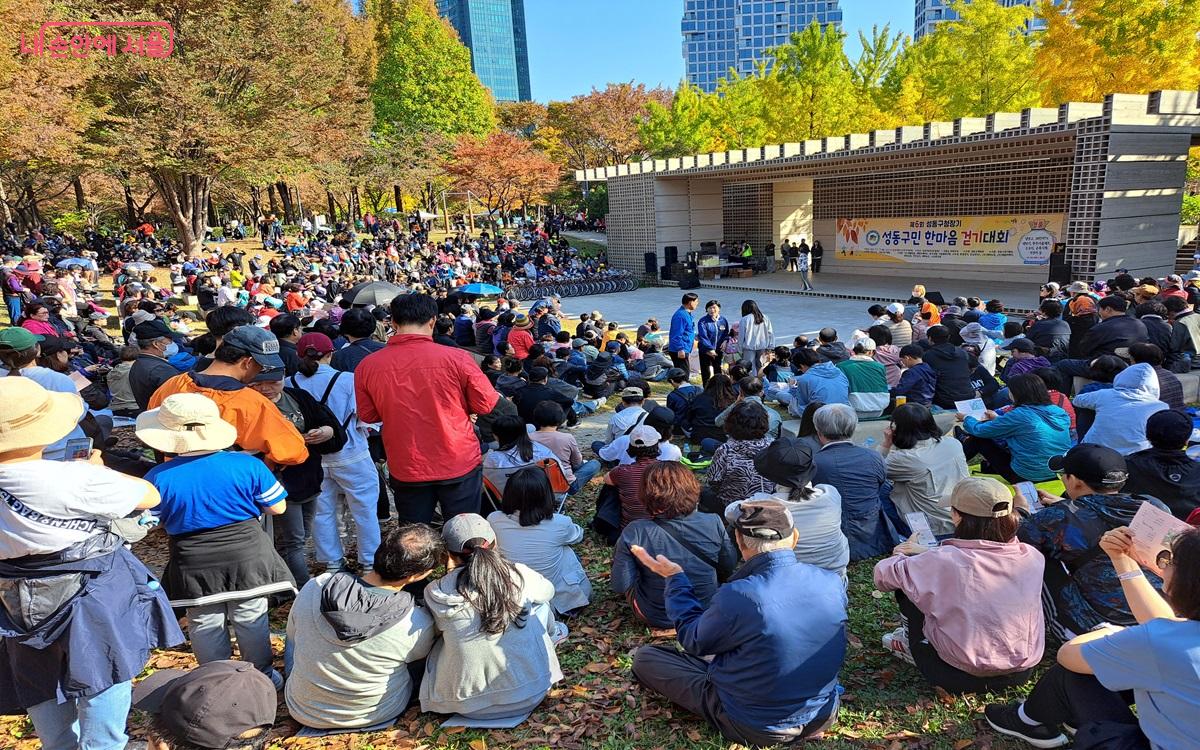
792, 210
704, 212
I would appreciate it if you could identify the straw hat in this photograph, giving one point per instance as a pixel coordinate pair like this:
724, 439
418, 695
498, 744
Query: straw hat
31, 416
184, 423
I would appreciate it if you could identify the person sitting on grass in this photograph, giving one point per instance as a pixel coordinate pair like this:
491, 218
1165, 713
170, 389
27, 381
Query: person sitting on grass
867, 379
643, 449
516, 451
750, 390
353, 640
918, 381
923, 465
1153, 665
760, 663
547, 417
530, 532
818, 380
1165, 470
1032, 432
990, 634
732, 476
1122, 411
496, 657
675, 528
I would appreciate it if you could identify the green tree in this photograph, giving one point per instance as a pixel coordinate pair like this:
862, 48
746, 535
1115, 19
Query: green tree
815, 78
1098, 47
423, 78
685, 127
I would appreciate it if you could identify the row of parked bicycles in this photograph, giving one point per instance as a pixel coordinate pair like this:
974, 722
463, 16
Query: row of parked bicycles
611, 284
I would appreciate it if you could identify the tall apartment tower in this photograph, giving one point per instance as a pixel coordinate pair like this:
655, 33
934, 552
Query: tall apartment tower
929, 13
494, 31
722, 34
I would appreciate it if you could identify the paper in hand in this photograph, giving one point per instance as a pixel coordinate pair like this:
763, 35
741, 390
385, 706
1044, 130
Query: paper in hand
919, 525
972, 407
1153, 533
79, 380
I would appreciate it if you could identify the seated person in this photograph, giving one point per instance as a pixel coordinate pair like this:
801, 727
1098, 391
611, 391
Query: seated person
989, 635
918, 381
750, 389
1154, 664
495, 658
1082, 589
627, 478
1165, 470
702, 412
867, 378
655, 365
818, 380
681, 395
1033, 431
758, 672
661, 418
516, 451
816, 508
675, 528
630, 413
546, 419
923, 465
732, 476
530, 532
351, 639
859, 476
1122, 411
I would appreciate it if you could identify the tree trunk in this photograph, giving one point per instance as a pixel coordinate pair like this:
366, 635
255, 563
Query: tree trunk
80, 203
331, 204
130, 208
399, 198
289, 207
8, 217
213, 219
186, 197
35, 216
255, 203
355, 207
271, 198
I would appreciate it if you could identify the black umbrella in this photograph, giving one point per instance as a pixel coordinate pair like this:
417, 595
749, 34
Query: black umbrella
373, 293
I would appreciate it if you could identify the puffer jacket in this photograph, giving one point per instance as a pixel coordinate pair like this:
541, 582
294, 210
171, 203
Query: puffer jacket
1122, 411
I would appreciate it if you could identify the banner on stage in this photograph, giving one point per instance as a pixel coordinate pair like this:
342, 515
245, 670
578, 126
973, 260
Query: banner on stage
1016, 240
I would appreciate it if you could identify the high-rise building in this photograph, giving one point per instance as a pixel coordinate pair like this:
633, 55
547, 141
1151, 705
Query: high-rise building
722, 34
929, 13
494, 31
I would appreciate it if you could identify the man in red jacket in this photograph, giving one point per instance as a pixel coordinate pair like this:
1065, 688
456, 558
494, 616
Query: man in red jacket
425, 395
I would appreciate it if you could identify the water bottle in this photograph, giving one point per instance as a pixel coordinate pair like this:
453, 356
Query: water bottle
870, 444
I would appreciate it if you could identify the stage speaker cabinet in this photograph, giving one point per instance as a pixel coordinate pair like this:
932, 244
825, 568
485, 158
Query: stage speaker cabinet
671, 254
651, 261
1060, 269
690, 279
666, 273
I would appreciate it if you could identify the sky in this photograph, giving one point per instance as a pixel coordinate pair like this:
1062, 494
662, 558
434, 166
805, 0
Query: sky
575, 45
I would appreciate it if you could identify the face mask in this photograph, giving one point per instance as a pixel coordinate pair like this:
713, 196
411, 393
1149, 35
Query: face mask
171, 350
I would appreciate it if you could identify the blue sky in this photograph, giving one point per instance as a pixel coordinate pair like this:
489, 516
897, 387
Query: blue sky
577, 44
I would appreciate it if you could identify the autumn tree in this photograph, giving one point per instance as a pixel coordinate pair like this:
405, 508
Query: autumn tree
501, 171
250, 85
1092, 48
604, 126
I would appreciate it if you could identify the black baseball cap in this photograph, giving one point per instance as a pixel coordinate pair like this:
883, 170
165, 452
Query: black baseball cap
1100, 467
786, 461
210, 705
1021, 345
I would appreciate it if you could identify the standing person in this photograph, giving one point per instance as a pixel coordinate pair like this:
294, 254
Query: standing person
755, 335
682, 338
712, 331
349, 474
818, 253
801, 251
425, 395
761, 672
222, 564
802, 265
69, 582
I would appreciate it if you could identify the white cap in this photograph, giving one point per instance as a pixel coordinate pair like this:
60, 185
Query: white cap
895, 308
644, 436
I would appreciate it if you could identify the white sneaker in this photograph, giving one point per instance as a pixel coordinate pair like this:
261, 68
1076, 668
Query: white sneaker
560, 632
897, 643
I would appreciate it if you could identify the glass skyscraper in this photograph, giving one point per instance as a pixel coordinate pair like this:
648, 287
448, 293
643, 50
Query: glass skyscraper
929, 13
723, 34
494, 31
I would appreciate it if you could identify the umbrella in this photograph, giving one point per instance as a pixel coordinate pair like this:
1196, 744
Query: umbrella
485, 290
81, 262
138, 266
373, 293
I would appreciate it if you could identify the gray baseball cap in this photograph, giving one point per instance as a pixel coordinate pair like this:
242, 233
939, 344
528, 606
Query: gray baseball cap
463, 528
258, 343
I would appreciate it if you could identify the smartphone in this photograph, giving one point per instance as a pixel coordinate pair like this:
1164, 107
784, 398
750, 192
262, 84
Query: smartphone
919, 524
79, 449
1030, 493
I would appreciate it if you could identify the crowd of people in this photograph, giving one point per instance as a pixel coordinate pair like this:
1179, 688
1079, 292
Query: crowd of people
425, 446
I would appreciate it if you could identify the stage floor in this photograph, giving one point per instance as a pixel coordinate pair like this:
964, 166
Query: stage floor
1019, 296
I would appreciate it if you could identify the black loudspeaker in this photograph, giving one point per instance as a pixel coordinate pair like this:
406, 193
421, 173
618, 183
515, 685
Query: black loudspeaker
651, 260
671, 254
665, 274
1060, 269
690, 279
935, 297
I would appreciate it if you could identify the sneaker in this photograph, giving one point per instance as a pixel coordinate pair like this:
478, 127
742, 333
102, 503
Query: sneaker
897, 643
560, 632
1004, 719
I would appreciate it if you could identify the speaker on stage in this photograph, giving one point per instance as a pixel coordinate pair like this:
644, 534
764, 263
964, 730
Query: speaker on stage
651, 261
690, 278
671, 254
665, 273
1060, 269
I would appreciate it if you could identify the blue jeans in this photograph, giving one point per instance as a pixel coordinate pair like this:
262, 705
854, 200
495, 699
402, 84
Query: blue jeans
93, 723
14, 309
583, 475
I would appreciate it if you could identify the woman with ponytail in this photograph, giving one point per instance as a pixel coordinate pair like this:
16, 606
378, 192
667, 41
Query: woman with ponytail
496, 657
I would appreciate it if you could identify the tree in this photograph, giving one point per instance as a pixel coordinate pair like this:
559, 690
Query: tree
604, 127
501, 171
685, 127
817, 80
258, 85
1097, 47
423, 79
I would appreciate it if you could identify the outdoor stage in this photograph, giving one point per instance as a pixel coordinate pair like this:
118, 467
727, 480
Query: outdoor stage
1016, 296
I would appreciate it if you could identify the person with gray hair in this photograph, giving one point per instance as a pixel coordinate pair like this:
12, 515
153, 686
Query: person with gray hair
860, 477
